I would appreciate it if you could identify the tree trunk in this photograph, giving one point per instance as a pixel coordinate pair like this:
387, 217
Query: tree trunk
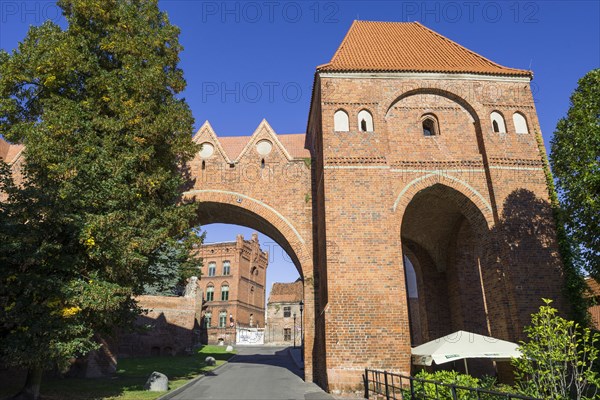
31, 390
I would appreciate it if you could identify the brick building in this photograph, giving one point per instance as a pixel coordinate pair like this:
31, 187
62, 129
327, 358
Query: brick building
415, 147
283, 325
233, 282
593, 294
424, 149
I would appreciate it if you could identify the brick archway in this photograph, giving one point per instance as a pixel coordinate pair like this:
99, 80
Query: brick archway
222, 206
435, 91
481, 212
444, 234
237, 208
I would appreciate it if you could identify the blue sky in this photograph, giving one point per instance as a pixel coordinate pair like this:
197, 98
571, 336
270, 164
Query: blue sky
248, 60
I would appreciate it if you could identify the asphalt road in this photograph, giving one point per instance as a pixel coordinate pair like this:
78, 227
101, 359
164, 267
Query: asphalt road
255, 373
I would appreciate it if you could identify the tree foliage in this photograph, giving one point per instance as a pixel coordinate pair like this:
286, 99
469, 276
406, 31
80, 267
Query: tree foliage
575, 159
106, 141
172, 266
558, 359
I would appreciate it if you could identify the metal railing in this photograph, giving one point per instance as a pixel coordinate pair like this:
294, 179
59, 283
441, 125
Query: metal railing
391, 386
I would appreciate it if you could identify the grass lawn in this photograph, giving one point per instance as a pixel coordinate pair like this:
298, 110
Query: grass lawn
132, 373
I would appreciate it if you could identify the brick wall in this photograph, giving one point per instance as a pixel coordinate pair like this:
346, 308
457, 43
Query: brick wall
170, 327
469, 205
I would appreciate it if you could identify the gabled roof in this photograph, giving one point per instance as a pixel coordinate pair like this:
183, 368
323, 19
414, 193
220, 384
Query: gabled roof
371, 46
232, 147
286, 292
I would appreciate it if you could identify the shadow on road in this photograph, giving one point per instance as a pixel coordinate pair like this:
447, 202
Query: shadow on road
280, 358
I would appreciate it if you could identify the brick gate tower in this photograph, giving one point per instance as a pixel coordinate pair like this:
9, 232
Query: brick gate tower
427, 173
417, 207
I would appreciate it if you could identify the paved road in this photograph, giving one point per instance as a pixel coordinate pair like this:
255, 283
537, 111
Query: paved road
255, 373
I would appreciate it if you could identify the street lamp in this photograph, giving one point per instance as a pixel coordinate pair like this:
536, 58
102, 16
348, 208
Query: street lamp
301, 330
294, 330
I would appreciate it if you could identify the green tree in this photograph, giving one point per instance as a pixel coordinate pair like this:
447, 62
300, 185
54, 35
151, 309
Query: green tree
575, 160
172, 266
107, 139
558, 360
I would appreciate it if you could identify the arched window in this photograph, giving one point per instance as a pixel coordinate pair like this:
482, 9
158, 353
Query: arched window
226, 268
207, 319
429, 124
224, 292
212, 269
341, 123
520, 123
210, 293
365, 121
222, 319
498, 124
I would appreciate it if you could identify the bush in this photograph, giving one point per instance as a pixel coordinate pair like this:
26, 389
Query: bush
430, 390
558, 360
425, 390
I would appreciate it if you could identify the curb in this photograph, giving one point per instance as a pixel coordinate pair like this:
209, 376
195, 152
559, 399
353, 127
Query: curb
173, 393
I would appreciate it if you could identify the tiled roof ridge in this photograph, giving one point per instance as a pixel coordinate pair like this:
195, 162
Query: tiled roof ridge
339, 49
455, 44
340, 60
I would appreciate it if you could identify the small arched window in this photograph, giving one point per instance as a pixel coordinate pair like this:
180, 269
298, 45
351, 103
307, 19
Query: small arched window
498, 124
520, 123
210, 293
365, 121
430, 126
226, 267
340, 121
224, 292
223, 319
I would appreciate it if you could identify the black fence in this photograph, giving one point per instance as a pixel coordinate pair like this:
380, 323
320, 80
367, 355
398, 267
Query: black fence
387, 385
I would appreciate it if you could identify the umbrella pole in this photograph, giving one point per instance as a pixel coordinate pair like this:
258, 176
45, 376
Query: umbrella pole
466, 368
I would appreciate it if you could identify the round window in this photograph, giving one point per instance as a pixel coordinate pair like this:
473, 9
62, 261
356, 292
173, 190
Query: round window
207, 150
264, 147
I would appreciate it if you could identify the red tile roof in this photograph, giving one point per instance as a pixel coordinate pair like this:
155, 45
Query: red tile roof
233, 145
286, 292
408, 47
293, 143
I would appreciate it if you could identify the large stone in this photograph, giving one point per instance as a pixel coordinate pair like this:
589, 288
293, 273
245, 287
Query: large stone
157, 382
210, 361
229, 349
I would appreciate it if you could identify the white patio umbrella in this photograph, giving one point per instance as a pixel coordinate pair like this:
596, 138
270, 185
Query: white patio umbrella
462, 345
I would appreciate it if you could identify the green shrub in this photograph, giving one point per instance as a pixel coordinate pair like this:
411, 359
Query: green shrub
430, 390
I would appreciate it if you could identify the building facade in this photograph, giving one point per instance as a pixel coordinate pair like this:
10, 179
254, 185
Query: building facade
593, 295
284, 313
415, 147
233, 281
